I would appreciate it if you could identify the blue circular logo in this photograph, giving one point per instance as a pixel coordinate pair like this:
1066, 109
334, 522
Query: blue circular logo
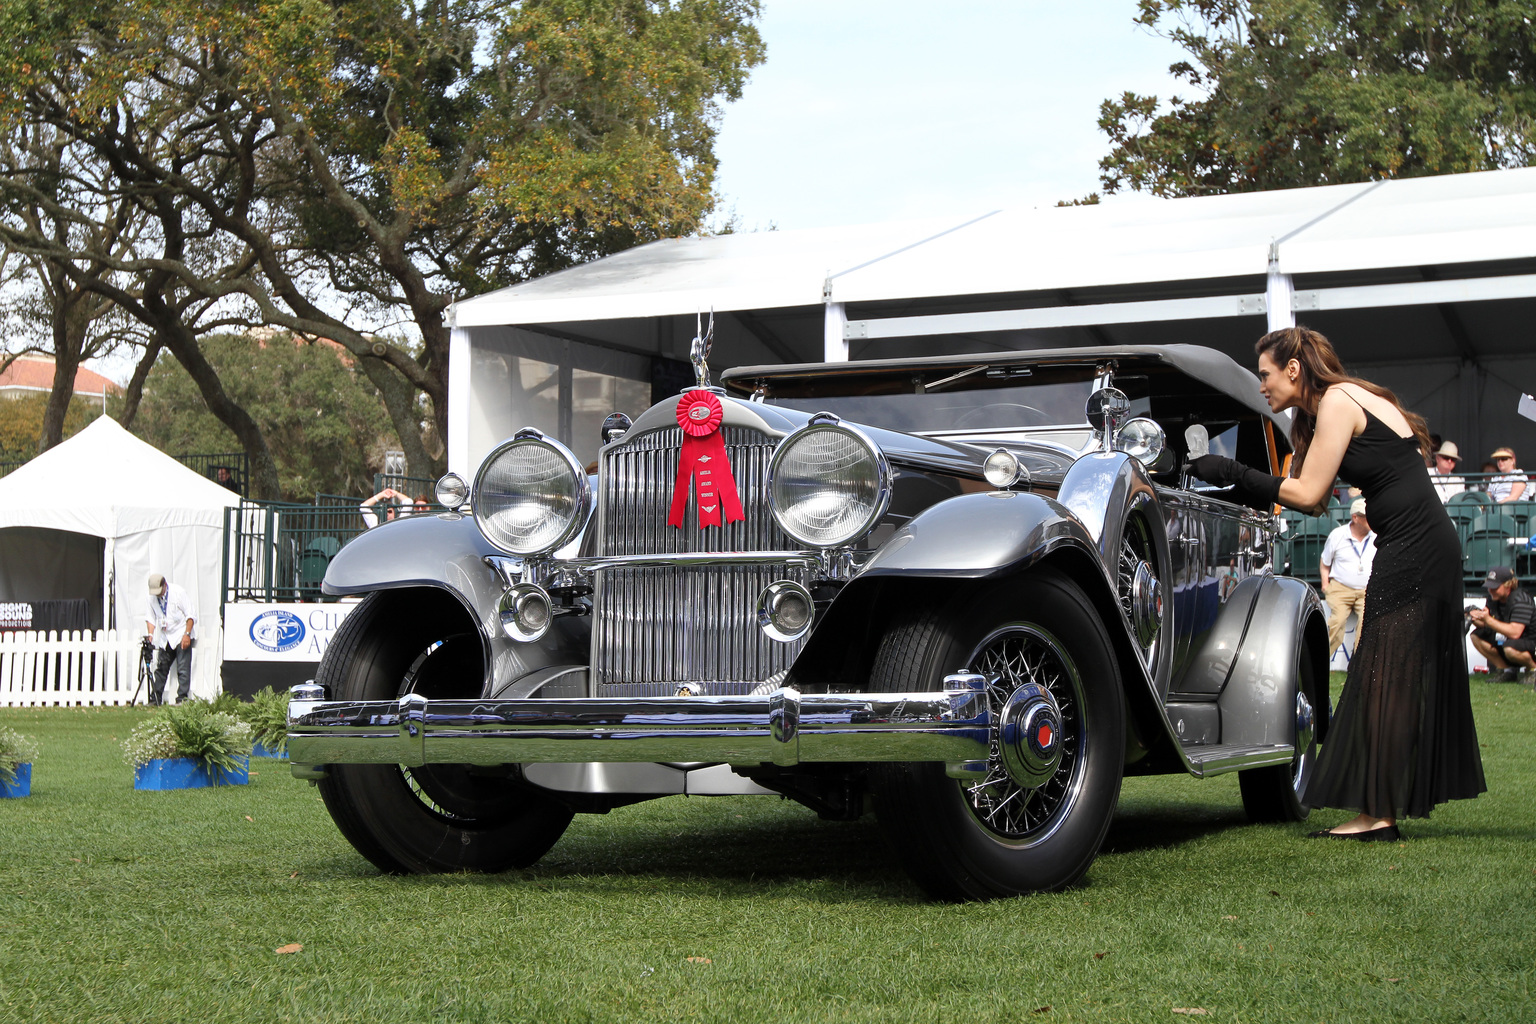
277, 631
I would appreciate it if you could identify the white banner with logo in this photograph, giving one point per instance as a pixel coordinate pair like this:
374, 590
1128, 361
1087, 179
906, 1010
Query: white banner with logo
280, 632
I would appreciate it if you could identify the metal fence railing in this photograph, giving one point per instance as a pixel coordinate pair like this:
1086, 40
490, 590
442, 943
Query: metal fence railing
279, 551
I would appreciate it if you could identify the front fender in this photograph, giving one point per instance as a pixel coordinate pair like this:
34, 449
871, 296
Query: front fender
978, 535
447, 552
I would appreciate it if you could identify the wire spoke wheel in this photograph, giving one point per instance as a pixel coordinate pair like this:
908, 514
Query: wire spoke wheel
1010, 658
1035, 816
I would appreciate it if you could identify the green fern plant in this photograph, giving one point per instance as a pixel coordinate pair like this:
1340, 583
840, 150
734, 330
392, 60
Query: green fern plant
193, 730
267, 714
15, 750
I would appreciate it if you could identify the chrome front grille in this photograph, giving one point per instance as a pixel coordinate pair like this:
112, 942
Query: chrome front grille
635, 491
653, 628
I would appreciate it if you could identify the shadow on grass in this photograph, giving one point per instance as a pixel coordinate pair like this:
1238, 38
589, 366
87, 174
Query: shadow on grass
828, 860
1166, 825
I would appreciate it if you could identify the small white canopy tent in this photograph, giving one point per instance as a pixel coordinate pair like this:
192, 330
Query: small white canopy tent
153, 514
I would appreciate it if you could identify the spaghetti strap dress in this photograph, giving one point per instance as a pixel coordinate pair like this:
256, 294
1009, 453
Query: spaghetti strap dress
1402, 739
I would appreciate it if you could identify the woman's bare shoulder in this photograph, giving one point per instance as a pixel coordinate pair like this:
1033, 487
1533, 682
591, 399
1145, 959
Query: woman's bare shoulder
1379, 407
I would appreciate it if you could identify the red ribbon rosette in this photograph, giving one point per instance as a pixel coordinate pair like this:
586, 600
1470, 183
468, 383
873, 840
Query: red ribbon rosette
704, 464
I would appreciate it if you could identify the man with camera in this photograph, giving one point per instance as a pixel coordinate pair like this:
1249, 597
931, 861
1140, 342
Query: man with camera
1502, 630
169, 623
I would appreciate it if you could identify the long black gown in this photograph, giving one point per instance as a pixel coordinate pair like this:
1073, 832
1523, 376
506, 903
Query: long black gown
1402, 739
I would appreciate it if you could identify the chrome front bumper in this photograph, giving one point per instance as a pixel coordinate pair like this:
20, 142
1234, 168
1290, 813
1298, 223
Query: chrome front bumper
785, 727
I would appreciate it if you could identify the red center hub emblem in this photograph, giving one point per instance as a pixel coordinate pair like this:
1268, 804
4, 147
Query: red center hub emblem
1045, 736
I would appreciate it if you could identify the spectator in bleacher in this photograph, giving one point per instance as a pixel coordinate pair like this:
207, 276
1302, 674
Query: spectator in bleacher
1447, 484
225, 477
1345, 569
392, 500
1509, 484
1501, 626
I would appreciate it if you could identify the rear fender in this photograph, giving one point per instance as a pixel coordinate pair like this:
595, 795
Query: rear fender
447, 552
1258, 703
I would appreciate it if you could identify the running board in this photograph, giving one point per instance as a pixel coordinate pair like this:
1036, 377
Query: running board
1220, 758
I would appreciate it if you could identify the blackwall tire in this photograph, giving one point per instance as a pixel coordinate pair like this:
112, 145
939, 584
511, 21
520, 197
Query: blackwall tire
984, 839
1277, 792
434, 818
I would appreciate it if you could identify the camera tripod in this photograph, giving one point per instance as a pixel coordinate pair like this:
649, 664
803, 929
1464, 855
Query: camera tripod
146, 672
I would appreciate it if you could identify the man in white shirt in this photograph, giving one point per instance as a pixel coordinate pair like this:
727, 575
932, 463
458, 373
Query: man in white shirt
1345, 569
169, 622
1446, 484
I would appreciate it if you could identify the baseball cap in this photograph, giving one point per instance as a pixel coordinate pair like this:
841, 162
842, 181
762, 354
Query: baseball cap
1357, 507
1503, 453
156, 581
1497, 577
1449, 450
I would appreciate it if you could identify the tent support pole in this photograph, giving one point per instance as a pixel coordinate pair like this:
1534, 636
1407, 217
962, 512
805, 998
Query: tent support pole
835, 347
1279, 294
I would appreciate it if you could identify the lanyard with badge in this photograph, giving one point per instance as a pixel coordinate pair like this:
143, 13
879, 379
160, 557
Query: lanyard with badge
1360, 552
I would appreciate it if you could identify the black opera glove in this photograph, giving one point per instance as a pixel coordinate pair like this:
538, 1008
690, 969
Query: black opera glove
1225, 472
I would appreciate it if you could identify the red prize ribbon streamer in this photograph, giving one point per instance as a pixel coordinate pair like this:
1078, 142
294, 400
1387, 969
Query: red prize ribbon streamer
703, 460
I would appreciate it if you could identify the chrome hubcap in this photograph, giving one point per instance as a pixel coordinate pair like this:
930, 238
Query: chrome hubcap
1033, 774
1029, 735
1306, 731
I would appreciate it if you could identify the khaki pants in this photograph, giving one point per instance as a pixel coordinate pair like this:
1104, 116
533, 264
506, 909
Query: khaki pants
1341, 601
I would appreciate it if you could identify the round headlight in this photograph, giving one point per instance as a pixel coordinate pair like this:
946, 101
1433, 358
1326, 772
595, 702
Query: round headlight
531, 494
827, 483
1142, 439
452, 491
1003, 469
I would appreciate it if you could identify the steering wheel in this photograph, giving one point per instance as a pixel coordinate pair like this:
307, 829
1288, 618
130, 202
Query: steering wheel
981, 416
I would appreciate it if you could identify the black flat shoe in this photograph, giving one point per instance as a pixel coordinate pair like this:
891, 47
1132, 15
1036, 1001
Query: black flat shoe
1382, 834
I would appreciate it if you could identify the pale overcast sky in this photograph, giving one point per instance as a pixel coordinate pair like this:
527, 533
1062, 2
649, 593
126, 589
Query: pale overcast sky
877, 110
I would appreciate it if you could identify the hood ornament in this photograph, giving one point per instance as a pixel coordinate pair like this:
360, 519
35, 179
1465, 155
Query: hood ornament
703, 339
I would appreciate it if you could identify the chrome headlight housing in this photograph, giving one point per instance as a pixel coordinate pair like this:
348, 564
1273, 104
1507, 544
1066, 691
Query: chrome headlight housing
828, 484
1142, 439
531, 495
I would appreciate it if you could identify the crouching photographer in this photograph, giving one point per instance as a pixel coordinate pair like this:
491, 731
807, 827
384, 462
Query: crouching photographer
169, 622
1502, 630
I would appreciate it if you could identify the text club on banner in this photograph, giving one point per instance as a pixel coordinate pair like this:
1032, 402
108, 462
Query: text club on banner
280, 632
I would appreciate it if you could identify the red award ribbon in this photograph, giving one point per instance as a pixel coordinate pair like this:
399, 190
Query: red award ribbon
703, 462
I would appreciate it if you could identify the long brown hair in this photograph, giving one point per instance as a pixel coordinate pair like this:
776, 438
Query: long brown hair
1320, 368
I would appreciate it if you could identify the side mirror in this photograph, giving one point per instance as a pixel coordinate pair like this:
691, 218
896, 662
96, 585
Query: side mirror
1105, 409
615, 427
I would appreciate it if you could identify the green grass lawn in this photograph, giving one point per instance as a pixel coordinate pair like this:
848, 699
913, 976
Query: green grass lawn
125, 906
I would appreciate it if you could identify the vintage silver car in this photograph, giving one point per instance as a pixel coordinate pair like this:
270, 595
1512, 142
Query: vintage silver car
967, 593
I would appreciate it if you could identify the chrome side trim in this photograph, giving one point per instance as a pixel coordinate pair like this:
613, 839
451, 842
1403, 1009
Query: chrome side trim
784, 727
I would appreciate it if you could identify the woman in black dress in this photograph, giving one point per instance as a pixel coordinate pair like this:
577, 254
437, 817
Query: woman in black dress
1402, 739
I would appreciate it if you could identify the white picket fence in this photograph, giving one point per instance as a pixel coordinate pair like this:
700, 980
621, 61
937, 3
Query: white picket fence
69, 668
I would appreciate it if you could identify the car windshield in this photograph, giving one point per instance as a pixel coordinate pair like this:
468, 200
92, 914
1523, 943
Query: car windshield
1039, 405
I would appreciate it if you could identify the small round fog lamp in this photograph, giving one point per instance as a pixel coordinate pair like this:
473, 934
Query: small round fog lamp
451, 491
1003, 469
785, 610
525, 612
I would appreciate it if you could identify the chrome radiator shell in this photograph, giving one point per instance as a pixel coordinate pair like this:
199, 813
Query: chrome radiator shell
654, 628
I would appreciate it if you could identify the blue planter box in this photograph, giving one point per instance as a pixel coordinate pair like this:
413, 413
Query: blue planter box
23, 784
186, 773
257, 750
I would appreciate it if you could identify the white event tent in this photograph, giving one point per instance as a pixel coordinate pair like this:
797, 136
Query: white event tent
1427, 285
108, 505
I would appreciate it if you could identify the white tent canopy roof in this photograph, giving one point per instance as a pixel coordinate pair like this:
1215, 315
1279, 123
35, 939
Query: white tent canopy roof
1460, 218
105, 482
